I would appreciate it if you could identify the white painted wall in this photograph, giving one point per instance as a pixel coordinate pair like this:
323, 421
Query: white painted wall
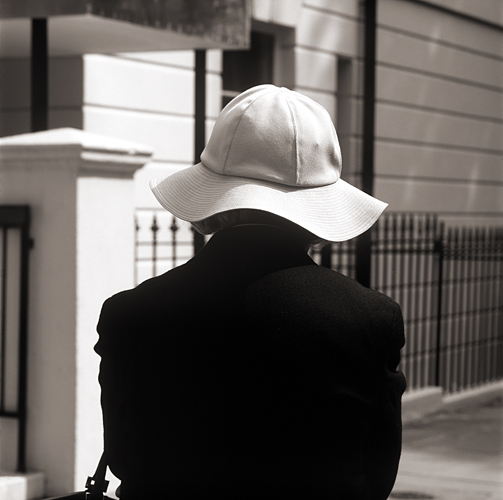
439, 98
80, 189
50, 190
439, 126
105, 258
65, 94
440, 112
439, 116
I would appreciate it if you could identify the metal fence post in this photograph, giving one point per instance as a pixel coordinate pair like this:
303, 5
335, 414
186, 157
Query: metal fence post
26, 245
363, 242
39, 75
200, 122
18, 217
438, 249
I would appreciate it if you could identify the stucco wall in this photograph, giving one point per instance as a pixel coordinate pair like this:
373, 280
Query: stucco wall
79, 187
52, 313
439, 110
149, 97
439, 125
65, 94
439, 115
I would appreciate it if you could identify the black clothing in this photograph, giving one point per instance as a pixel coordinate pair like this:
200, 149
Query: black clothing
251, 372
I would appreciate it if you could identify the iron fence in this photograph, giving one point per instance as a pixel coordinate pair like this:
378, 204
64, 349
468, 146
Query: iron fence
448, 281
470, 344
406, 267
162, 242
14, 248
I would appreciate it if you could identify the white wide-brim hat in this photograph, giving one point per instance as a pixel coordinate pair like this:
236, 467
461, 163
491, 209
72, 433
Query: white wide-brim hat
275, 150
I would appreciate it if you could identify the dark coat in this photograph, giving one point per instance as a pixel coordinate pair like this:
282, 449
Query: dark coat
251, 372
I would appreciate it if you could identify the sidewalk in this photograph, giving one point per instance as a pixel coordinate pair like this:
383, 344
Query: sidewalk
456, 455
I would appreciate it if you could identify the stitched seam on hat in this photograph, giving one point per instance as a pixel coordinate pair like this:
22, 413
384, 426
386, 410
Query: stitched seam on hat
237, 126
295, 131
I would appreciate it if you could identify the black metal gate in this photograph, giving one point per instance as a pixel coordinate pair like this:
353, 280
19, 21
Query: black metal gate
448, 281
406, 265
470, 323
15, 243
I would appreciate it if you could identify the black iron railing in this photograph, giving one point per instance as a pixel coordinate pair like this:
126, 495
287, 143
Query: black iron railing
406, 266
14, 248
162, 242
470, 349
448, 281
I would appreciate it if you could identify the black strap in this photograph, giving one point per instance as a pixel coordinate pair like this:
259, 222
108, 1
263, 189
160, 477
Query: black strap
97, 485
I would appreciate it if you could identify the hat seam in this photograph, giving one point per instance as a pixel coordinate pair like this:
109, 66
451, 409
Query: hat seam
237, 126
295, 133
335, 212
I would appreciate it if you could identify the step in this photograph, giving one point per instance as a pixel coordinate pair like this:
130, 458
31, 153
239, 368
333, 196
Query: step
14, 486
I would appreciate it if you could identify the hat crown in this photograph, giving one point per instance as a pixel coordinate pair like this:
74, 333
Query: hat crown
276, 135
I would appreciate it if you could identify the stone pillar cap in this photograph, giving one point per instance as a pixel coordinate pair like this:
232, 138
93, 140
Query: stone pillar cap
91, 153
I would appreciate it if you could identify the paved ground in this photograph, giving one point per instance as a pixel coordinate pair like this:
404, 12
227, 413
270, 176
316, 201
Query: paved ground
453, 456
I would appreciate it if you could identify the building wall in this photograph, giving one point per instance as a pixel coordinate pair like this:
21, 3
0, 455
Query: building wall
149, 98
65, 94
439, 116
439, 112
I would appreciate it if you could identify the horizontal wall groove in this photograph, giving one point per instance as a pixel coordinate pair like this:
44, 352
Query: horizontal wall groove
329, 12
464, 214
17, 109
459, 14
121, 56
440, 180
27, 109
440, 76
151, 209
462, 48
168, 161
419, 107
440, 147
51, 58
408, 69
451, 147
314, 48
138, 110
316, 89
440, 111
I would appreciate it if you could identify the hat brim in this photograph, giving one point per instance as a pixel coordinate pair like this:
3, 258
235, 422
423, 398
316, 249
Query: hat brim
336, 212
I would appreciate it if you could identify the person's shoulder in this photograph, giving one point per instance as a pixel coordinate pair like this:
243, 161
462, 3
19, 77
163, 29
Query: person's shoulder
369, 310
126, 303
148, 286
332, 290
333, 281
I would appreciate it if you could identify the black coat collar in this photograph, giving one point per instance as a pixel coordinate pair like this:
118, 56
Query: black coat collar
252, 248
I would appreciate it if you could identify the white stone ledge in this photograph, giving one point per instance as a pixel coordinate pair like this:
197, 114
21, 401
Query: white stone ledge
28, 486
420, 403
85, 152
477, 395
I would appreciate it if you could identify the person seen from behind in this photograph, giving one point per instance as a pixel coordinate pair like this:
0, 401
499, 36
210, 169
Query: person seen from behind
250, 372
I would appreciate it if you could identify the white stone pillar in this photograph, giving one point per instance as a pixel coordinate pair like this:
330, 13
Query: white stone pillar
80, 188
